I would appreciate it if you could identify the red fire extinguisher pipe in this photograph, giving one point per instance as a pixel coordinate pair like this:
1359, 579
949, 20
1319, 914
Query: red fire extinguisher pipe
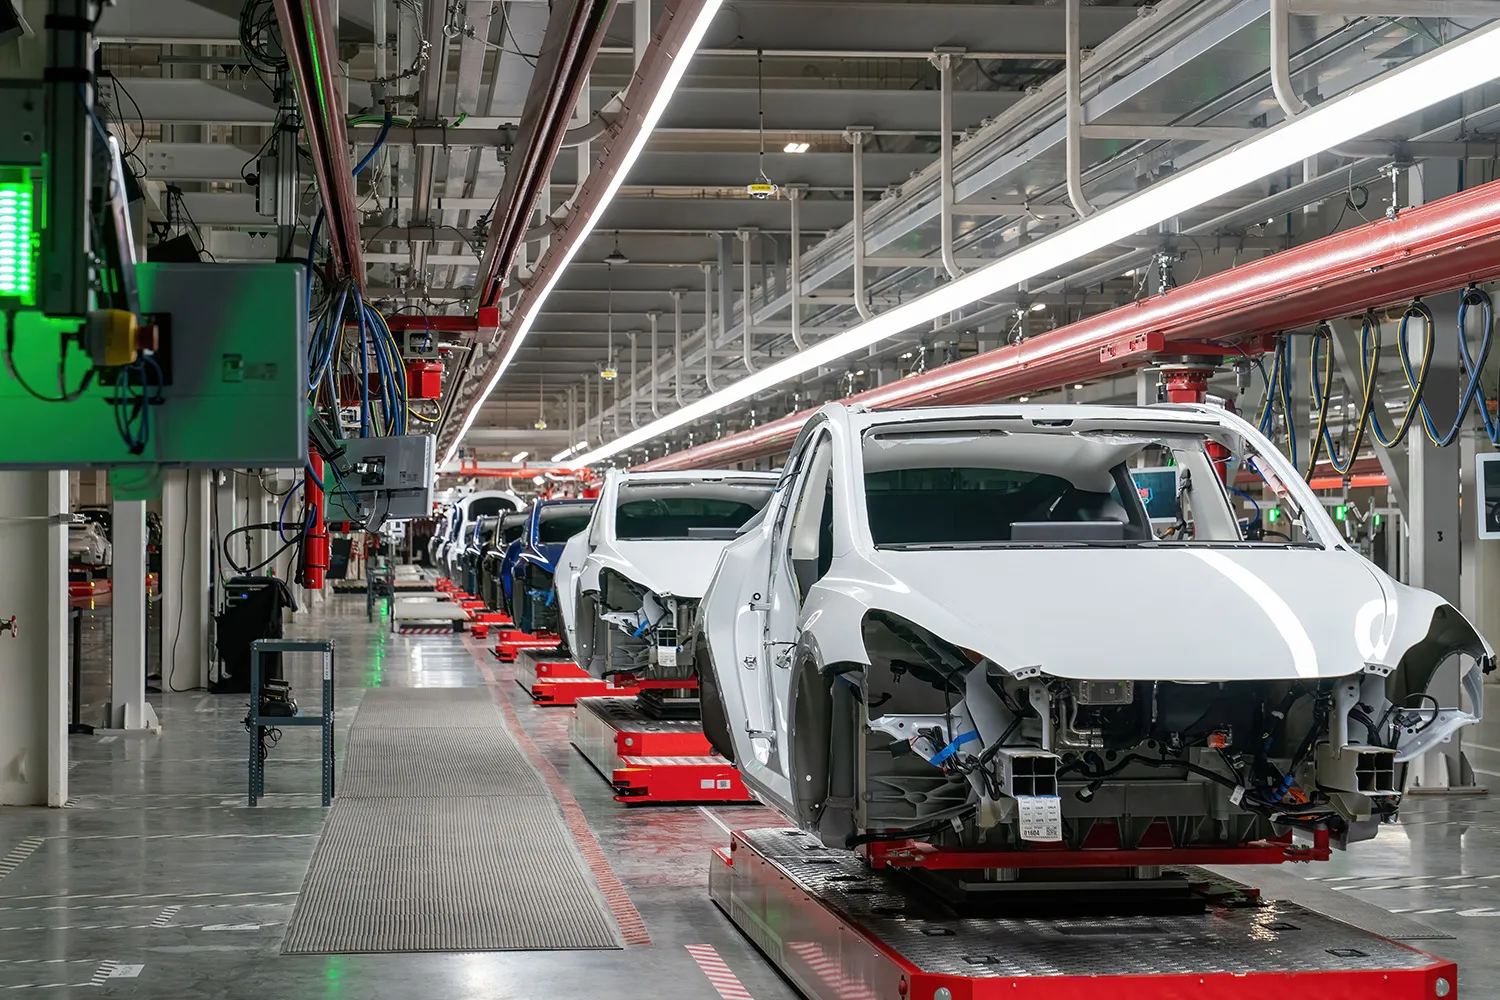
317, 550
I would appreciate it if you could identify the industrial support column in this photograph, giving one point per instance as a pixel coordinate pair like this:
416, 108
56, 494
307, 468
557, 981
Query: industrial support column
127, 694
34, 651
1432, 488
185, 580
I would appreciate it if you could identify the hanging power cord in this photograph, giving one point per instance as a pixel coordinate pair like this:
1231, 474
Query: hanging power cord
1279, 395
1320, 379
1475, 368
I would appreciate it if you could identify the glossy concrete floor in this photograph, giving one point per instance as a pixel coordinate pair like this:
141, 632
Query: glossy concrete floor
160, 882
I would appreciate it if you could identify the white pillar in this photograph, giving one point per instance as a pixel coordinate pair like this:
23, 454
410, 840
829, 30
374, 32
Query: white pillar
127, 699
34, 660
224, 517
1433, 490
184, 638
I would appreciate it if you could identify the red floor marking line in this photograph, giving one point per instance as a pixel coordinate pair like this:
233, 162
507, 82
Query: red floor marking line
632, 927
724, 981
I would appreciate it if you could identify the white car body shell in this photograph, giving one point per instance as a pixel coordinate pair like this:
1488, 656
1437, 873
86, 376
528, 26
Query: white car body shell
460, 525
680, 567
1173, 614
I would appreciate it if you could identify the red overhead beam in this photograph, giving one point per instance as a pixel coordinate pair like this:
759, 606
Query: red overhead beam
312, 50
488, 318
1437, 247
574, 33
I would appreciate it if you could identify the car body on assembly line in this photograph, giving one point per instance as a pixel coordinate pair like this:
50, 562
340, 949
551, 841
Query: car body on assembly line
533, 601
494, 585
459, 528
962, 626
628, 587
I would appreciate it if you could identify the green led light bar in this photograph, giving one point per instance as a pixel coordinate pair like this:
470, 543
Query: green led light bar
17, 250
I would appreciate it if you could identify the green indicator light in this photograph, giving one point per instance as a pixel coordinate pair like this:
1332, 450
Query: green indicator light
1340, 512
1378, 518
16, 262
1273, 514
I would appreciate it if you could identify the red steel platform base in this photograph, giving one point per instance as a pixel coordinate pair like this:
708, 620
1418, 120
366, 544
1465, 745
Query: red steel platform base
842, 931
650, 760
553, 681
510, 641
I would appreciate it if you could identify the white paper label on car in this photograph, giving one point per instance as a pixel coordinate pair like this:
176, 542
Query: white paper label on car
666, 656
1040, 817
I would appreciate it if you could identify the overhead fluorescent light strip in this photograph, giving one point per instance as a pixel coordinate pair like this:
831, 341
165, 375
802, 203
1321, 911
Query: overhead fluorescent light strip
675, 70
1443, 73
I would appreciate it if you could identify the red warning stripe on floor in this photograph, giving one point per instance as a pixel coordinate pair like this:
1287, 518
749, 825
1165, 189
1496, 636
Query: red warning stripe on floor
632, 927
725, 982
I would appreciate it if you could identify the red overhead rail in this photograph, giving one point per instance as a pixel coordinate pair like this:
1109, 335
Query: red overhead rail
1437, 247
312, 50
574, 33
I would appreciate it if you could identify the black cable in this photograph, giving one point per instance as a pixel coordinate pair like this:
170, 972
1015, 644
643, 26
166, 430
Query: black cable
908, 834
267, 526
531, 60
10, 366
1102, 772
1436, 708
256, 29
119, 88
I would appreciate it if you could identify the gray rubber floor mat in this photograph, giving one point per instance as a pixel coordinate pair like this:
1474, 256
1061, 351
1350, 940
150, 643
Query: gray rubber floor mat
443, 838
435, 763
427, 708
472, 874
1277, 883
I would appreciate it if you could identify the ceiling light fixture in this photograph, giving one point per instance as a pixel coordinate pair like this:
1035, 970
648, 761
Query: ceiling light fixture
1443, 73
1037, 307
796, 147
761, 188
571, 449
520, 456
615, 256
677, 65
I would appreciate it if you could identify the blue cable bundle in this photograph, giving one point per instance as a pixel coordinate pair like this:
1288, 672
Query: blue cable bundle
133, 401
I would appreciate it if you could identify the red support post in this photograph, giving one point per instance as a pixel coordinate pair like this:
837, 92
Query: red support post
317, 535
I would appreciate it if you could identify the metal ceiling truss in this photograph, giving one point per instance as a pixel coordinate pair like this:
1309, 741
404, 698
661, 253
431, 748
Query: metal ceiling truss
1027, 135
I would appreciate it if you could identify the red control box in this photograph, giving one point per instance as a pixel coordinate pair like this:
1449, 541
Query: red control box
424, 380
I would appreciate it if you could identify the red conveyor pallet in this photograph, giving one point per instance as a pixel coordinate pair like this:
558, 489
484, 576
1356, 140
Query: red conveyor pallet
839, 930
652, 760
557, 682
566, 691
509, 642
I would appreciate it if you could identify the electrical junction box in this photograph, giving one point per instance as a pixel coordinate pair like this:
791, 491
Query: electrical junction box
389, 478
424, 380
420, 343
233, 357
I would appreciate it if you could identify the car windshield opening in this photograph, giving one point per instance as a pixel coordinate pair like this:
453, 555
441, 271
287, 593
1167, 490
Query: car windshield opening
488, 506
668, 511
1052, 484
558, 524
